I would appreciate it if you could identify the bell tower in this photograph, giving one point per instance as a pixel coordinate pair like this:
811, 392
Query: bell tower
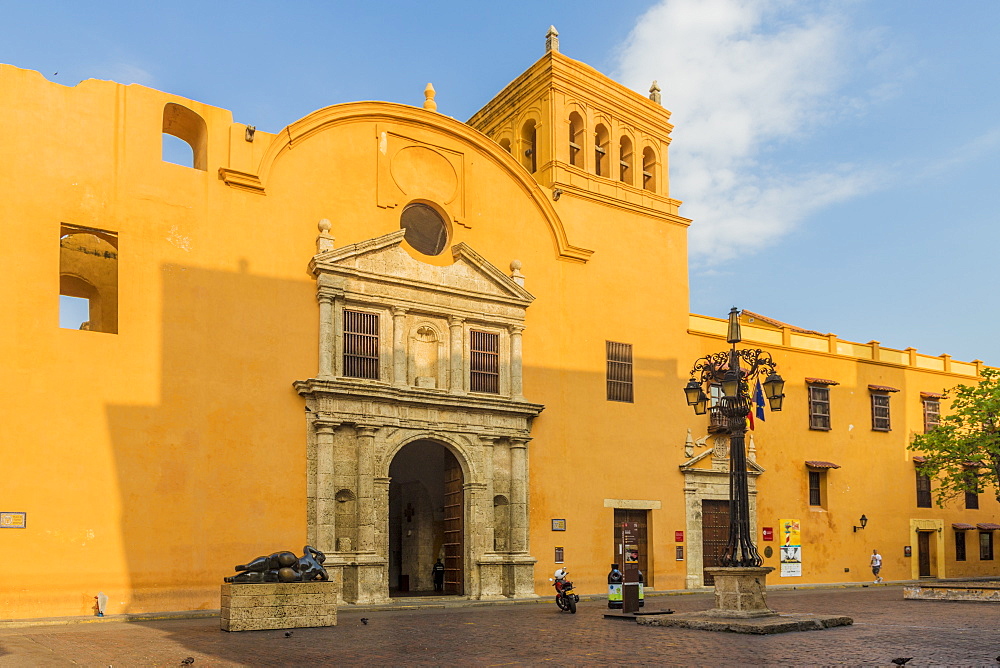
578, 132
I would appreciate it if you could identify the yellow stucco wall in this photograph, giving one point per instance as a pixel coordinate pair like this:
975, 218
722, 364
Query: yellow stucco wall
152, 460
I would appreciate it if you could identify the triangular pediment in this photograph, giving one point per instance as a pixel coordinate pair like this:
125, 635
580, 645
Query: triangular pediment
384, 260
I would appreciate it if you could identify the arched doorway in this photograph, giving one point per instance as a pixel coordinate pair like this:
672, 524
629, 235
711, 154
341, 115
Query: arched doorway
426, 519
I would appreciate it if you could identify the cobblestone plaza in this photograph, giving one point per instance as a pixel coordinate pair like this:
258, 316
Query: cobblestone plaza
939, 633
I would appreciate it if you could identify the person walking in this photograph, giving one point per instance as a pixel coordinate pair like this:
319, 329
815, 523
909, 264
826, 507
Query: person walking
876, 565
438, 572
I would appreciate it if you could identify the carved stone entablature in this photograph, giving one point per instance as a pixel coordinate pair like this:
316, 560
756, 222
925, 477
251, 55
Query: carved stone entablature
419, 363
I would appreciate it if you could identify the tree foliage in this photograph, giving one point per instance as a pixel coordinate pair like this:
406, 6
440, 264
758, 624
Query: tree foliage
963, 452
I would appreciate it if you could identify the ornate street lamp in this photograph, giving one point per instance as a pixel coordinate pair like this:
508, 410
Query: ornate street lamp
736, 371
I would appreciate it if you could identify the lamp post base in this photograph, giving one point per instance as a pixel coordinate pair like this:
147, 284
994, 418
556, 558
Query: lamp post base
740, 592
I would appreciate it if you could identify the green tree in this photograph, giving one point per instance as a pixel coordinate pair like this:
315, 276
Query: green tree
963, 452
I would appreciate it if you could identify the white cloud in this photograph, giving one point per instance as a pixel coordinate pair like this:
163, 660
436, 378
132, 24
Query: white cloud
741, 78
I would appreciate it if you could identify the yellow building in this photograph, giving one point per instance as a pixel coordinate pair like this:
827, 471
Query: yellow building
395, 336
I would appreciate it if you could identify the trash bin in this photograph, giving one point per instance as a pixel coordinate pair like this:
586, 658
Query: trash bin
615, 578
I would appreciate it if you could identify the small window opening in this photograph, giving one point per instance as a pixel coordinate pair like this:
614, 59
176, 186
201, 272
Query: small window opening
575, 140
880, 412
619, 371
625, 160
361, 345
484, 367
648, 169
88, 279
924, 499
932, 414
426, 230
601, 139
180, 123
529, 157
505, 144
815, 488
959, 546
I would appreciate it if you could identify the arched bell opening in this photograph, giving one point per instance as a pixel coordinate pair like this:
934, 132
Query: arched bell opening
426, 520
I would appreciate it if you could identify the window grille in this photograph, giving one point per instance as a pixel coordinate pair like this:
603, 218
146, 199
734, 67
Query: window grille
819, 407
361, 349
619, 371
959, 546
880, 412
932, 414
923, 491
484, 367
815, 487
986, 546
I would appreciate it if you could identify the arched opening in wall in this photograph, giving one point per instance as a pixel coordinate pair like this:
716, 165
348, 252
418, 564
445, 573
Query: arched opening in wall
426, 520
625, 160
648, 169
426, 229
505, 144
576, 140
601, 139
88, 279
529, 135
181, 127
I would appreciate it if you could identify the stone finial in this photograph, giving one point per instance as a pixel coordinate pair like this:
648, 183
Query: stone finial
654, 92
552, 40
429, 103
324, 241
515, 272
689, 445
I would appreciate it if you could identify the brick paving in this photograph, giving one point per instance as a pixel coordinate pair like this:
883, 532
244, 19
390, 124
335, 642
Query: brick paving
938, 633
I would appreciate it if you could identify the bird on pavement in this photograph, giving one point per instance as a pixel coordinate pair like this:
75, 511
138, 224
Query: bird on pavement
288, 634
364, 620
901, 661
188, 661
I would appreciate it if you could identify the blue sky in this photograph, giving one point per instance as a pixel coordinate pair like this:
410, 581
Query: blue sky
837, 157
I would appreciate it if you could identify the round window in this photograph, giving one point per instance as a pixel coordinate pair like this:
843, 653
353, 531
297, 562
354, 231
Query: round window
425, 229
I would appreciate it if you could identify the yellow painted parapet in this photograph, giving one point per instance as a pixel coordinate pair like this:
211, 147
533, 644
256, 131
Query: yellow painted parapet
829, 344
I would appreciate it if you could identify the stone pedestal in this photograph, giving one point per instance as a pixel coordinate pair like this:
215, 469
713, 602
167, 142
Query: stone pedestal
256, 607
740, 592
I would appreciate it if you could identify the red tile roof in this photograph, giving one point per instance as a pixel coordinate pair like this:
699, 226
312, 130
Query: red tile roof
919, 459
988, 526
820, 381
883, 388
777, 323
816, 464
932, 395
961, 526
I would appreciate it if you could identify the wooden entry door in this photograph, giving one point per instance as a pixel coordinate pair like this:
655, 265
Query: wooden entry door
924, 553
714, 535
454, 526
641, 519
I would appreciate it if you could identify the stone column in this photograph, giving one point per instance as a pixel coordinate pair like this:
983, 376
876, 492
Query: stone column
381, 491
519, 495
399, 346
516, 382
366, 488
324, 530
455, 325
326, 336
490, 530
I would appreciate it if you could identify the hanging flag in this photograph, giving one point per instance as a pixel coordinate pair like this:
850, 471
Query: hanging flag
758, 399
750, 419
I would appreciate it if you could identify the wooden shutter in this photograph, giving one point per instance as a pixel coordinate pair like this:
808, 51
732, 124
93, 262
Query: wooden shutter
619, 371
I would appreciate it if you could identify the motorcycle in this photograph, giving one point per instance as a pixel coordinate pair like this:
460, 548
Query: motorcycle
565, 598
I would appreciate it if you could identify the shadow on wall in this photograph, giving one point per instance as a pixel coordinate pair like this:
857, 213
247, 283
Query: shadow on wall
214, 475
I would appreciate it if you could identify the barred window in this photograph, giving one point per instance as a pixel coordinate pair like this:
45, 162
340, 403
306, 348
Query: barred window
932, 414
361, 350
816, 488
819, 407
923, 491
484, 367
959, 546
986, 546
972, 494
880, 412
619, 371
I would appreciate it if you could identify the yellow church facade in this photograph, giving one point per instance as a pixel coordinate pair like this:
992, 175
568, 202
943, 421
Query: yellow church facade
398, 337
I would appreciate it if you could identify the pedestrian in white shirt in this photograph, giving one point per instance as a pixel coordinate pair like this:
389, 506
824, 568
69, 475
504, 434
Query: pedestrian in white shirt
876, 565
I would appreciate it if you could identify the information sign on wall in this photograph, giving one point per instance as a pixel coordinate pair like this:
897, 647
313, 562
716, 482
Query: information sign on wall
558, 525
13, 520
678, 536
768, 533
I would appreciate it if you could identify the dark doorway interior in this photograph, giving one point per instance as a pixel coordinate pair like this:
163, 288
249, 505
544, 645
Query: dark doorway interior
641, 518
425, 519
714, 535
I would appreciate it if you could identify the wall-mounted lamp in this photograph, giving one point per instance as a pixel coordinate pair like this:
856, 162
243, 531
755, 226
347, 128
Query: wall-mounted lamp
864, 523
